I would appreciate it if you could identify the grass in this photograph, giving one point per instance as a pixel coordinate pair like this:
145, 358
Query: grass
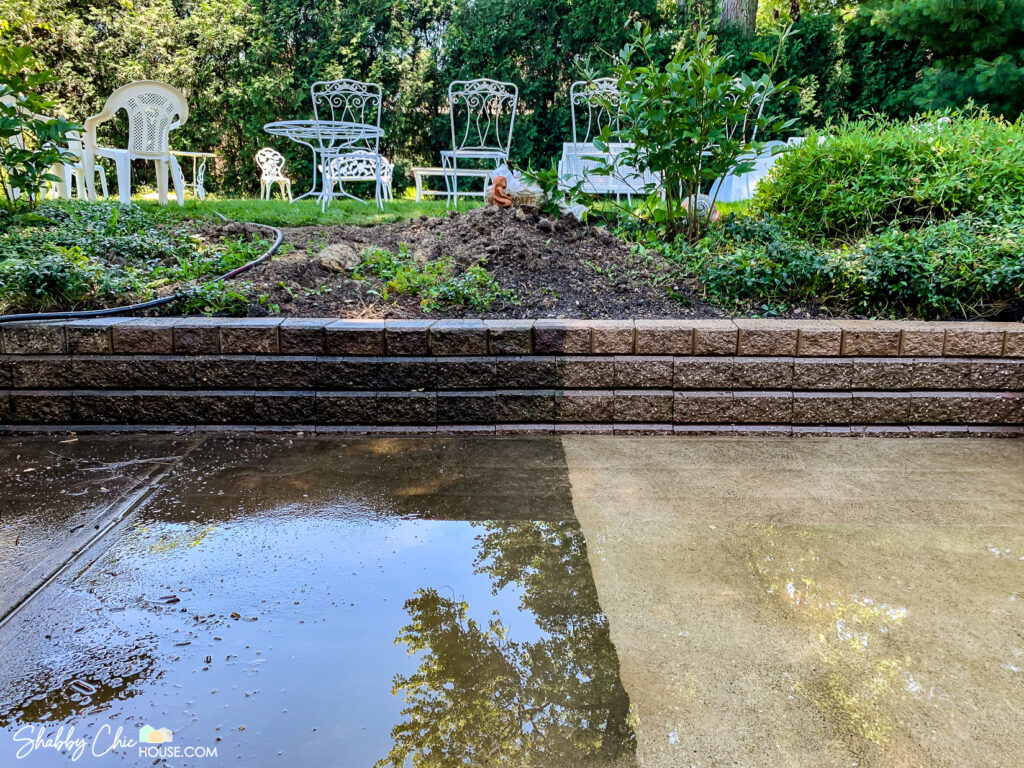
281, 213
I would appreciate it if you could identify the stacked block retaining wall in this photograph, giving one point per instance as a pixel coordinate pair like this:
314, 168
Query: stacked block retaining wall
687, 376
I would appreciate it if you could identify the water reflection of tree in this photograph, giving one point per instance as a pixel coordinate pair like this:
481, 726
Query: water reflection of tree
483, 699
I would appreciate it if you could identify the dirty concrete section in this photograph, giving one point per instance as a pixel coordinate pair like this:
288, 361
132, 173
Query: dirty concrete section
819, 603
290, 601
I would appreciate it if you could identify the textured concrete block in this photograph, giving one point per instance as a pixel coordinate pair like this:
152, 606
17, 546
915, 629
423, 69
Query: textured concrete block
922, 339
162, 372
997, 407
355, 337
286, 407
941, 408
6, 376
882, 373
292, 372
346, 408
144, 336
702, 407
347, 373
466, 407
870, 338
774, 338
41, 407
42, 372
407, 337
822, 373
103, 372
819, 338
406, 408
509, 337
405, 373
664, 337
760, 373
90, 336
1003, 373
974, 340
645, 406
641, 372
702, 373
110, 407
197, 336
586, 373
941, 374
1013, 346
880, 408
37, 338
528, 406
584, 405
561, 337
822, 407
715, 337
464, 373
458, 337
762, 407
224, 407
224, 372
303, 335
527, 372
612, 337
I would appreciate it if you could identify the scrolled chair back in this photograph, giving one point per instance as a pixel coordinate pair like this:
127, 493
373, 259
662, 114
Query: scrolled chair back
271, 163
348, 101
592, 103
482, 113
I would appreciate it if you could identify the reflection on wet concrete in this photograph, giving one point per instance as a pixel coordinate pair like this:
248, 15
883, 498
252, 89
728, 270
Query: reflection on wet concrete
822, 603
55, 490
319, 602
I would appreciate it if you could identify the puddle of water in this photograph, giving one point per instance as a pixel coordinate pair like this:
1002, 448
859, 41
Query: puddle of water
354, 623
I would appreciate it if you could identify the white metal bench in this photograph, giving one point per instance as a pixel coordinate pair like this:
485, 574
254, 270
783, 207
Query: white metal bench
419, 174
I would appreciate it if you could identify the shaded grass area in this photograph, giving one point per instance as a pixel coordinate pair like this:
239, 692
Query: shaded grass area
302, 213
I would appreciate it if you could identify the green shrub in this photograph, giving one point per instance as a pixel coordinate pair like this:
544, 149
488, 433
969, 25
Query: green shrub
964, 267
871, 173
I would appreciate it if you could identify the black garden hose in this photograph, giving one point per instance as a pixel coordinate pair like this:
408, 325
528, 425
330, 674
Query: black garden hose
278, 238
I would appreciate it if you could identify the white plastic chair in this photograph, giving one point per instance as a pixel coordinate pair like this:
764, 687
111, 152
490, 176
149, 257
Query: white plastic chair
271, 164
359, 104
154, 110
483, 107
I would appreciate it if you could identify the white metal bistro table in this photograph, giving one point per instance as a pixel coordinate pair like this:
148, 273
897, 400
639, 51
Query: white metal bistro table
198, 170
326, 138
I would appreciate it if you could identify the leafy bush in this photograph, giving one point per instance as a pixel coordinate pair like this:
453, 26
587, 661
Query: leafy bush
871, 173
434, 281
964, 267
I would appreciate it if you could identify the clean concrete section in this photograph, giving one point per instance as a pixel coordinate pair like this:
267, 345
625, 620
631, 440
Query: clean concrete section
788, 603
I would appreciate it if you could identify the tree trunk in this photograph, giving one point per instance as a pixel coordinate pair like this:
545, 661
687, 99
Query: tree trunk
741, 14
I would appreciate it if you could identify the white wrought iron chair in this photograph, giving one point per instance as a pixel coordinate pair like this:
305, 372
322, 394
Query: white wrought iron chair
485, 107
271, 164
154, 109
592, 106
359, 105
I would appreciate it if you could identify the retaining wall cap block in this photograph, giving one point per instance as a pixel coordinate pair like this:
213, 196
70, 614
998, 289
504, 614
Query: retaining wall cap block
612, 337
870, 338
562, 337
303, 335
144, 336
819, 338
1014, 345
509, 337
715, 337
664, 337
768, 337
407, 337
250, 336
197, 336
30, 338
355, 337
458, 337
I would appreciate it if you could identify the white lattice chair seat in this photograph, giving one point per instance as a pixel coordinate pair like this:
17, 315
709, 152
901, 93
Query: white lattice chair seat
581, 161
154, 109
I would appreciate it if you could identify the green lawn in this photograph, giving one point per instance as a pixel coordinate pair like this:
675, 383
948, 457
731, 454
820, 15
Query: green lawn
302, 213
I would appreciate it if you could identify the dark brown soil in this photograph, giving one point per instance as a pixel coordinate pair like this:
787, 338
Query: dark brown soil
556, 268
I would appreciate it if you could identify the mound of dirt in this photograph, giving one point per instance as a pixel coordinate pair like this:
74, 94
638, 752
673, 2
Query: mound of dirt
556, 267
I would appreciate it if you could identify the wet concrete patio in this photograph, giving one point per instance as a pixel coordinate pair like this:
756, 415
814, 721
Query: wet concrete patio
586, 601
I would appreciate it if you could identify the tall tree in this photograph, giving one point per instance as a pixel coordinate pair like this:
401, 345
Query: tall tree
741, 14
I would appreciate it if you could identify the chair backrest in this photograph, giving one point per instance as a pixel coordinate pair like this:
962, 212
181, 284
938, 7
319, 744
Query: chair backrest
271, 163
589, 101
348, 101
485, 111
154, 110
